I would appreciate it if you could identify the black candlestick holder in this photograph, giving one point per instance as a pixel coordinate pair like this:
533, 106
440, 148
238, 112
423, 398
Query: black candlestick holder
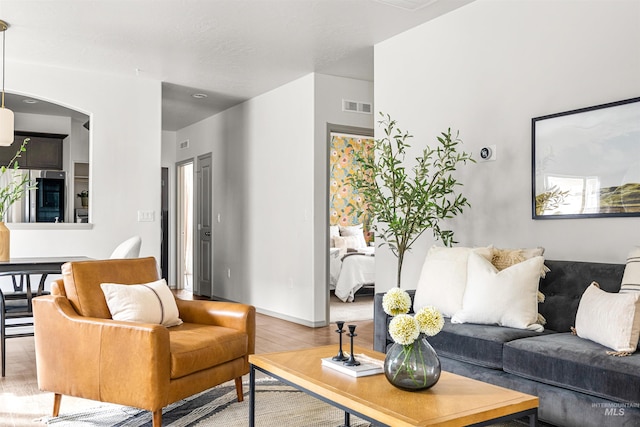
340, 357
352, 360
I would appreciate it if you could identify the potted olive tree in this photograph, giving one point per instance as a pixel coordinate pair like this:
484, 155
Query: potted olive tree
14, 185
405, 204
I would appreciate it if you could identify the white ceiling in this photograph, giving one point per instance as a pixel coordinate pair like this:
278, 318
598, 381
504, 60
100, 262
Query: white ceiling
231, 50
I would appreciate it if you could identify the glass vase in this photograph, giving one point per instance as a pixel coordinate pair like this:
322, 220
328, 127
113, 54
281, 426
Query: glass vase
412, 367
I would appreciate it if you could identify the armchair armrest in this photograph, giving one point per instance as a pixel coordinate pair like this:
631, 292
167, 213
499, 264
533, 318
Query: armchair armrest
233, 315
85, 357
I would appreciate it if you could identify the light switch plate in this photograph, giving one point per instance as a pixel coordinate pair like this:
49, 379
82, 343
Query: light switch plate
146, 216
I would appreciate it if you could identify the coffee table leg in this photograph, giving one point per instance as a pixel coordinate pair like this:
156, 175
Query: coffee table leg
252, 396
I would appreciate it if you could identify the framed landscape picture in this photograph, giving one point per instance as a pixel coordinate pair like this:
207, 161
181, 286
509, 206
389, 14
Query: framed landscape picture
586, 162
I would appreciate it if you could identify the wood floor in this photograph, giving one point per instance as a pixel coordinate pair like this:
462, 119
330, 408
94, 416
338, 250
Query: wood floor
22, 404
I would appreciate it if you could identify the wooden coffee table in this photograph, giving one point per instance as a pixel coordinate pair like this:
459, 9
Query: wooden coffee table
454, 401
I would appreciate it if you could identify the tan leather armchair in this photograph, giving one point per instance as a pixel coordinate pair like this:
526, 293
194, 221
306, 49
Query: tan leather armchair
82, 352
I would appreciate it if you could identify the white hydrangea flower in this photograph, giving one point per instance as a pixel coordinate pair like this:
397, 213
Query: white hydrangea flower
396, 301
404, 329
430, 320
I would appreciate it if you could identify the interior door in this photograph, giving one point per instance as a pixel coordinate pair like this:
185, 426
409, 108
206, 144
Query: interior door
203, 282
164, 223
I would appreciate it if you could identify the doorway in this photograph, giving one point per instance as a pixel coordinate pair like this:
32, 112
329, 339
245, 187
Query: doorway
203, 284
346, 218
184, 196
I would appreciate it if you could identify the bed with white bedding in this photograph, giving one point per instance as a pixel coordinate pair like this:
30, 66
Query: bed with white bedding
350, 271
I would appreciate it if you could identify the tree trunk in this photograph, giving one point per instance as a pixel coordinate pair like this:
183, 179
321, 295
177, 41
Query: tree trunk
399, 274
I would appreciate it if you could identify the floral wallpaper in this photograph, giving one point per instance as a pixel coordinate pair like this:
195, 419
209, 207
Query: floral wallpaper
345, 204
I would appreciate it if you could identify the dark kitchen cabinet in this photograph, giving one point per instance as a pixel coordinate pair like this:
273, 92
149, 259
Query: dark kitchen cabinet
44, 151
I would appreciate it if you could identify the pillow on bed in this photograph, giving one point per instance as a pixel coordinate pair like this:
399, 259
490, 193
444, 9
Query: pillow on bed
354, 230
346, 242
334, 231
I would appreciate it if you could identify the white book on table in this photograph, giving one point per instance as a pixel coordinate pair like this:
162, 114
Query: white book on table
362, 370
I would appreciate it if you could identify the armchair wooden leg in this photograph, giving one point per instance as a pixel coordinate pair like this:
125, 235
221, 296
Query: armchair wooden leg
239, 389
157, 418
56, 404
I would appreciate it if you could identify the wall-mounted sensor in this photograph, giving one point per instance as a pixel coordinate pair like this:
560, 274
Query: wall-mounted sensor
488, 153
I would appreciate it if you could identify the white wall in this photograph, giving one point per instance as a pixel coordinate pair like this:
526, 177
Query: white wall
487, 69
125, 159
268, 155
262, 153
329, 93
168, 161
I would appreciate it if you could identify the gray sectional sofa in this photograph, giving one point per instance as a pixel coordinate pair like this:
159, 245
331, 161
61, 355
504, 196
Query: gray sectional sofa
577, 383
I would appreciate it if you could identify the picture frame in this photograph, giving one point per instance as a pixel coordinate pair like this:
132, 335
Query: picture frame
586, 162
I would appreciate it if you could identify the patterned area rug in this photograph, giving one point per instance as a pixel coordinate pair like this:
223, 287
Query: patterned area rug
276, 405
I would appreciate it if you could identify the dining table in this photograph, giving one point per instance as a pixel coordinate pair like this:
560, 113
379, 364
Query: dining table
25, 267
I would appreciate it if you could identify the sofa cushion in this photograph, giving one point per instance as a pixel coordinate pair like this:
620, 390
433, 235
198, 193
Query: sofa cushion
195, 347
564, 285
477, 344
568, 361
82, 281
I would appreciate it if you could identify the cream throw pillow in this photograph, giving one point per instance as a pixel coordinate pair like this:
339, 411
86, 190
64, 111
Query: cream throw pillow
505, 258
610, 319
505, 298
631, 277
346, 242
444, 278
146, 303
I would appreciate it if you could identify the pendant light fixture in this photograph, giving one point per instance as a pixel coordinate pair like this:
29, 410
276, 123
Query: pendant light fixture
6, 115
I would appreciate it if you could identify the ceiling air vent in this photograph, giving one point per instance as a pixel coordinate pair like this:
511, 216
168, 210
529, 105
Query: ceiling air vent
184, 144
356, 107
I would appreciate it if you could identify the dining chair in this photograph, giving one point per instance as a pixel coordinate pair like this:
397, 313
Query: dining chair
130, 248
16, 310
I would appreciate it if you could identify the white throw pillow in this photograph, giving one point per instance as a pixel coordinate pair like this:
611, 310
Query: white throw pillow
505, 298
444, 278
610, 319
631, 277
334, 231
146, 303
357, 231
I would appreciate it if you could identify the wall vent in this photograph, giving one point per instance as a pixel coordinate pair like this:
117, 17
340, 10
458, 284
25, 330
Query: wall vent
356, 106
184, 144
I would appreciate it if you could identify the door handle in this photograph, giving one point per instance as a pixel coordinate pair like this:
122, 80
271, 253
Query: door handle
207, 233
